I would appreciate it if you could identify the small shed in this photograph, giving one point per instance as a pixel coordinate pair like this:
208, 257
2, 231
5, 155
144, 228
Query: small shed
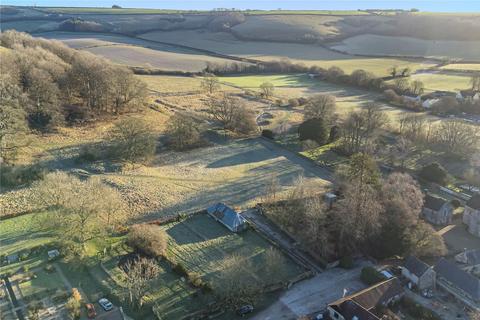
232, 220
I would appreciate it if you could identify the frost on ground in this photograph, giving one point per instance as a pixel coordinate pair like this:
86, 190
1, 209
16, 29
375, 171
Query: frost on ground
236, 174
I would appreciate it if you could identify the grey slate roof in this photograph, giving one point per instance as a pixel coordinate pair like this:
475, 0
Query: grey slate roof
474, 202
416, 266
349, 309
227, 216
469, 257
378, 294
461, 279
434, 203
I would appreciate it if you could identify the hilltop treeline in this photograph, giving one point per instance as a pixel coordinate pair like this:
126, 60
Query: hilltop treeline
51, 83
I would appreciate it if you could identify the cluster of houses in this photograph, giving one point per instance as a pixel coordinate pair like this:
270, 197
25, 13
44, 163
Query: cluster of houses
459, 278
367, 304
453, 278
439, 211
428, 100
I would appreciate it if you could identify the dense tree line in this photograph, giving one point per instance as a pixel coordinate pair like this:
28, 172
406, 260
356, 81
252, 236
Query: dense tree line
52, 83
373, 215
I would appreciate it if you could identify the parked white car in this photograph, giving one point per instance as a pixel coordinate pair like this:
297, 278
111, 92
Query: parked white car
105, 304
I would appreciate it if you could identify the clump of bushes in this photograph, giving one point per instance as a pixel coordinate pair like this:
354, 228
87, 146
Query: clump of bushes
149, 239
434, 172
13, 176
346, 262
180, 269
268, 134
314, 129
370, 276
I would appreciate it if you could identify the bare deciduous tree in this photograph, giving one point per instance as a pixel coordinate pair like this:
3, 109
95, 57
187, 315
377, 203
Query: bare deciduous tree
237, 284
417, 87
210, 84
223, 109
13, 132
132, 140
425, 242
275, 265
267, 89
80, 210
139, 275
184, 131
360, 128
320, 106
475, 82
459, 137
149, 239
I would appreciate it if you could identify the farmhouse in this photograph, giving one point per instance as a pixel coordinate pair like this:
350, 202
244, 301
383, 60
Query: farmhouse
468, 95
471, 215
228, 217
461, 284
470, 260
437, 210
363, 304
419, 273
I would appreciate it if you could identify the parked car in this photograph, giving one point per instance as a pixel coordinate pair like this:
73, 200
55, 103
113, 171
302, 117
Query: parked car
105, 304
91, 313
242, 311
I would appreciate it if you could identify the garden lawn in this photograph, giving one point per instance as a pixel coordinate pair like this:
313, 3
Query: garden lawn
42, 282
325, 155
201, 244
19, 235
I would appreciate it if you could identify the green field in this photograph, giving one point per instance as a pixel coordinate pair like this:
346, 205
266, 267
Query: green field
462, 66
443, 82
253, 82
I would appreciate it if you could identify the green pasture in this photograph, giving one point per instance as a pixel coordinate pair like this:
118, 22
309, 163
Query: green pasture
255, 81
442, 82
